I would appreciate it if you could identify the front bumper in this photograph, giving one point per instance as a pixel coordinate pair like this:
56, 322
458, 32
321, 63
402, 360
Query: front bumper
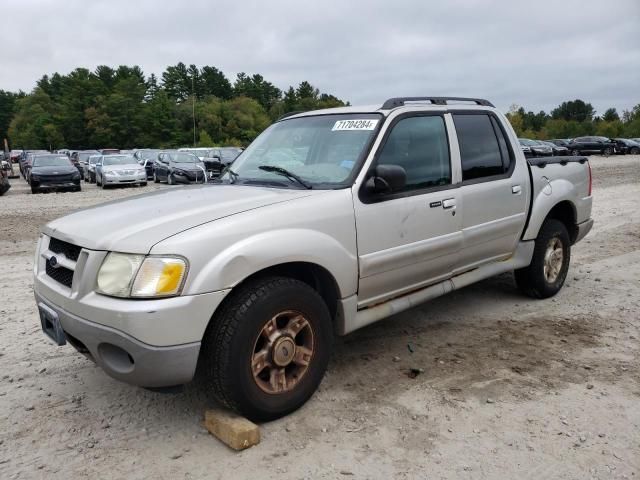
125, 179
125, 358
54, 185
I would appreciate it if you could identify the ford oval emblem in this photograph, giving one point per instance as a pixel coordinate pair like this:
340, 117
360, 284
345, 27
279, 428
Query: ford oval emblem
53, 261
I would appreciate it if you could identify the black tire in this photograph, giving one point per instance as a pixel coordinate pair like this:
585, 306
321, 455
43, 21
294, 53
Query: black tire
532, 280
575, 152
143, 184
34, 190
170, 179
232, 337
607, 151
155, 178
634, 151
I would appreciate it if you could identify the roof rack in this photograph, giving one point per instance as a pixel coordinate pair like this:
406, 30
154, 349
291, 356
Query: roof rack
400, 101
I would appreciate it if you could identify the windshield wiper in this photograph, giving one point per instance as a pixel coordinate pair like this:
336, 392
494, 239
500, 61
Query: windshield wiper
286, 173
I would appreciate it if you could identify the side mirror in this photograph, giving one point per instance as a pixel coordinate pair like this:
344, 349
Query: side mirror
387, 179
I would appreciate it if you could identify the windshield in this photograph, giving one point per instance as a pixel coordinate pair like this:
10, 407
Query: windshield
83, 156
526, 141
230, 153
118, 160
93, 160
148, 154
184, 158
51, 161
321, 150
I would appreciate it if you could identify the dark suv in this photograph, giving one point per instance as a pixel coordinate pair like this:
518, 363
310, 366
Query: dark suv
625, 145
582, 145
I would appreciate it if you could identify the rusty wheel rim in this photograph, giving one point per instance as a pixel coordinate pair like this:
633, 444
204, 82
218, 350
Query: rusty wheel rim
553, 260
282, 352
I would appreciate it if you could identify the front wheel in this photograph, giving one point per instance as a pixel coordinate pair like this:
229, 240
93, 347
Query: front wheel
546, 273
575, 153
634, 151
607, 151
267, 349
170, 179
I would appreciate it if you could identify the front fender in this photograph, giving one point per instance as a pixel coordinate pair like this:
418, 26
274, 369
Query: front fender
242, 259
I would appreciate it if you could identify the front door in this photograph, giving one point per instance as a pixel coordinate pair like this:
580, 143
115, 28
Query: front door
409, 239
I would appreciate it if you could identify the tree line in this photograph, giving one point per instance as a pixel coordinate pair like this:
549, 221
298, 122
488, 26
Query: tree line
123, 108
574, 119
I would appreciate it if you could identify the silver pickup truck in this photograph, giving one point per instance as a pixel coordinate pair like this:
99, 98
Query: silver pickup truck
329, 221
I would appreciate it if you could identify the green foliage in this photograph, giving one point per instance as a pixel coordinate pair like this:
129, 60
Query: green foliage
574, 110
34, 125
574, 119
121, 108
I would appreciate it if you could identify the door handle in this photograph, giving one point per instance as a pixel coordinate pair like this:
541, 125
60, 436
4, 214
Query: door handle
516, 189
449, 203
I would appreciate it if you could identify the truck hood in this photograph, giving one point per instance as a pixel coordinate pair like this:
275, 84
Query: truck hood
135, 224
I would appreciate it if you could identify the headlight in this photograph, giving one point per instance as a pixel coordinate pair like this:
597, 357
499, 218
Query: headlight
35, 178
126, 275
159, 277
110, 173
76, 176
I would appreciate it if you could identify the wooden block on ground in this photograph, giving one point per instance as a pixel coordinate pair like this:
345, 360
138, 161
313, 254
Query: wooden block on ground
234, 430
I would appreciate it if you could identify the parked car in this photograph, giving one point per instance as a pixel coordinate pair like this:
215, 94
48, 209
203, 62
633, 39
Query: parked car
109, 151
25, 161
557, 150
625, 145
533, 148
80, 159
119, 170
5, 185
584, 145
147, 159
7, 165
89, 171
331, 220
179, 167
53, 172
561, 142
15, 155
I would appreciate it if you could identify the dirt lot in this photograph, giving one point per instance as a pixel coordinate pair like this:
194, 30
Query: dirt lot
511, 388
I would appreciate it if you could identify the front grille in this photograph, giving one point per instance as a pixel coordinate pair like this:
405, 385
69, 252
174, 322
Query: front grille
71, 251
60, 274
55, 178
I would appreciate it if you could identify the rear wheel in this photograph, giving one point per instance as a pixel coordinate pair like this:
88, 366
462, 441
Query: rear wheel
575, 152
544, 277
634, 151
266, 351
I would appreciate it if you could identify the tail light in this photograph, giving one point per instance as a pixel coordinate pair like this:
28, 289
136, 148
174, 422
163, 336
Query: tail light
590, 178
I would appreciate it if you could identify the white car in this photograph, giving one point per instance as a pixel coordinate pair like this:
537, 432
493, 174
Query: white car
119, 170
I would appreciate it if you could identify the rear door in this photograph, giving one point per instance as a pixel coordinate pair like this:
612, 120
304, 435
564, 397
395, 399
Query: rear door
494, 189
410, 238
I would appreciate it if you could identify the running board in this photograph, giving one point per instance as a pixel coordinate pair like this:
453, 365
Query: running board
521, 258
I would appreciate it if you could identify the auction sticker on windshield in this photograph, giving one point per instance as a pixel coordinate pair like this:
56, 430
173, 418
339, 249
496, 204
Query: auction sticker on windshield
355, 125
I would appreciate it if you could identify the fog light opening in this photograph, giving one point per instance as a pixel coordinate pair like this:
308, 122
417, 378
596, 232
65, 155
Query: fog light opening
116, 358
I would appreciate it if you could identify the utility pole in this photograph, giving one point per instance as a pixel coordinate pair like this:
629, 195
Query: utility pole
193, 95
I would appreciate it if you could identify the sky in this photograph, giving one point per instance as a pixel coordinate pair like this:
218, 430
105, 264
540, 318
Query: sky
534, 53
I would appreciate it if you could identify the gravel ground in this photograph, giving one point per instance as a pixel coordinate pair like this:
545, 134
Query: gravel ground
511, 387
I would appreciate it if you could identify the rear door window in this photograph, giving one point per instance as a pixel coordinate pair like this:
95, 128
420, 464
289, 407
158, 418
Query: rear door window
482, 153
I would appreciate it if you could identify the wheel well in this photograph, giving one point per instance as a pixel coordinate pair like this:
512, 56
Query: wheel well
565, 213
314, 275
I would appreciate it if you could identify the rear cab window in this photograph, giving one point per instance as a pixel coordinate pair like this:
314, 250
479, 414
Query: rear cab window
484, 151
